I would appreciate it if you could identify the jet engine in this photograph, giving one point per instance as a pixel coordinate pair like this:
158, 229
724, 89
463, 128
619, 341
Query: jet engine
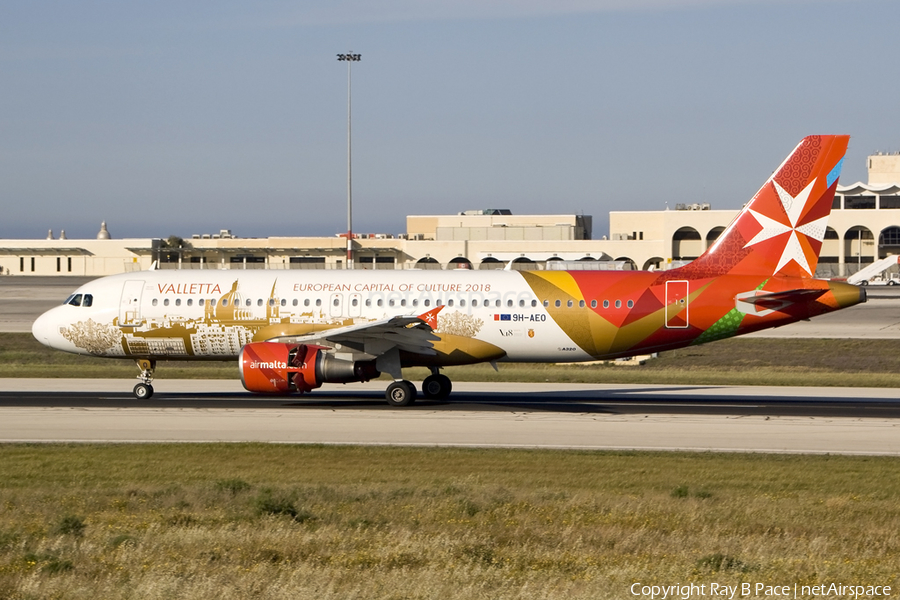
277, 368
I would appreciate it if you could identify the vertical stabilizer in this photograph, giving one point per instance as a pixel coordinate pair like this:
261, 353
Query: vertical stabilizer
780, 231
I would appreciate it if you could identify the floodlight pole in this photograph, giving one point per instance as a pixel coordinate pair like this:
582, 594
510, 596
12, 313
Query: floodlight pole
349, 58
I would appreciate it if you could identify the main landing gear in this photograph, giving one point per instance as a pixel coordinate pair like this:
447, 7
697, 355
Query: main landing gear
143, 390
403, 393
436, 386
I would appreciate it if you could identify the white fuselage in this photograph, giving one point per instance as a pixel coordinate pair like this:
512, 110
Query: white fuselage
211, 314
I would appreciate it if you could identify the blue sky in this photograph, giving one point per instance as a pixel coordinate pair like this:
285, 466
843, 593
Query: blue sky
170, 117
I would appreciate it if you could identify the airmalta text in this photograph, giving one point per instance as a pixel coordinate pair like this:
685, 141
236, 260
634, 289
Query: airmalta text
189, 288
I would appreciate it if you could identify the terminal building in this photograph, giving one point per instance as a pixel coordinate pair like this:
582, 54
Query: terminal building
864, 226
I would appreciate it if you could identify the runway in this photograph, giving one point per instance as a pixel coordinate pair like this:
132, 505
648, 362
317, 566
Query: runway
574, 416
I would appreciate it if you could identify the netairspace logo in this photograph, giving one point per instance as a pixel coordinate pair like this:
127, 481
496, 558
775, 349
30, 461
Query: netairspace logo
752, 590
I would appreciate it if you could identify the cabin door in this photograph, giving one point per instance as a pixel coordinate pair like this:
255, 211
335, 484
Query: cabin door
677, 305
130, 303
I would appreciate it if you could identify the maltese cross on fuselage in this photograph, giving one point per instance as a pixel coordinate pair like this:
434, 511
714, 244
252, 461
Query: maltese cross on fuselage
799, 230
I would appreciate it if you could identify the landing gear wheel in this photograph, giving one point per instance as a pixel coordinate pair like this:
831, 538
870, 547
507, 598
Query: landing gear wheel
436, 387
400, 393
143, 391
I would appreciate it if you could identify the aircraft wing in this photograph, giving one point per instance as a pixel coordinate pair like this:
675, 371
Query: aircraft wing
410, 333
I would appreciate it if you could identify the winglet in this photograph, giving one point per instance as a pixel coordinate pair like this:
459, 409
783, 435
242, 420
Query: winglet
430, 318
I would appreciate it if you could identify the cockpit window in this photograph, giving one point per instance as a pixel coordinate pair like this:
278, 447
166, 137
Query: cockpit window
74, 300
88, 300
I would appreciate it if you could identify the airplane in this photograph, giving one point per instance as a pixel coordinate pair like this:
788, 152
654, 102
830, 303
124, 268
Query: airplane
292, 331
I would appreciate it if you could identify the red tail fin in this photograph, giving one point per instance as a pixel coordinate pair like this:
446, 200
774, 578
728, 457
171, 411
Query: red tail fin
780, 231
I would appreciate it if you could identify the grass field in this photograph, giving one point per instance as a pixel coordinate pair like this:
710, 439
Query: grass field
265, 521
739, 361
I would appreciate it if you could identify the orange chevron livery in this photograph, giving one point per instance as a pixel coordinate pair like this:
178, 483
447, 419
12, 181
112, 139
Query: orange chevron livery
290, 332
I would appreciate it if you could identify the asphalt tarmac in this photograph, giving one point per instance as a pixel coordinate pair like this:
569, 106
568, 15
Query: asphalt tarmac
582, 416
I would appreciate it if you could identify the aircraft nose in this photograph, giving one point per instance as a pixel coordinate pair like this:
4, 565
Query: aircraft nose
45, 328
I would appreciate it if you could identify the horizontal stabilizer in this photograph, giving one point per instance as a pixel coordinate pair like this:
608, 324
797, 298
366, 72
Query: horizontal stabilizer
777, 300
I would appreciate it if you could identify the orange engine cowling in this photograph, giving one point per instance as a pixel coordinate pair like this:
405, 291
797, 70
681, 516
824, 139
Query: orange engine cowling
276, 368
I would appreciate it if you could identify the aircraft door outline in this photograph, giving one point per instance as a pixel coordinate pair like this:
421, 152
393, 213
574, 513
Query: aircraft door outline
677, 293
130, 303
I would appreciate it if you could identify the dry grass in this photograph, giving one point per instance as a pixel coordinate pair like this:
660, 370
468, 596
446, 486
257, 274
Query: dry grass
259, 521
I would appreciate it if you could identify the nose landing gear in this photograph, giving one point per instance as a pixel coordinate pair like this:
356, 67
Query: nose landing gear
143, 390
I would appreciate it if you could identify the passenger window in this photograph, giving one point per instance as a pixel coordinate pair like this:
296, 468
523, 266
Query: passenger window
569, 304
558, 303
283, 302
306, 302
224, 302
295, 302
546, 303
368, 302
248, 302
497, 303
177, 301
487, 303
593, 304
259, 302
212, 301
271, 301
581, 304
354, 302
190, 302
155, 302
450, 302
509, 303
200, 302
380, 302
415, 302
606, 304
618, 304
533, 303
403, 302
87, 300
427, 302
462, 302
438, 302
521, 303
631, 304
166, 302
391, 302
318, 302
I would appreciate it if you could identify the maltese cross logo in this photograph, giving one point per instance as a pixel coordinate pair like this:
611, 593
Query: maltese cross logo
799, 233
